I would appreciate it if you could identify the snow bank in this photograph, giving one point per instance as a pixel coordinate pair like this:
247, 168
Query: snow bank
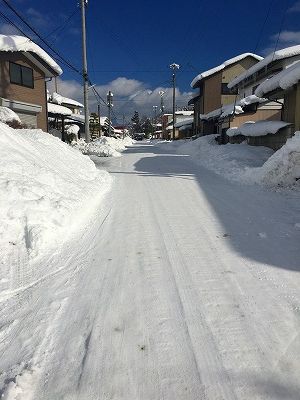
283, 168
72, 129
8, 115
14, 43
220, 67
247, 164
258, 128
230, 160
44, 184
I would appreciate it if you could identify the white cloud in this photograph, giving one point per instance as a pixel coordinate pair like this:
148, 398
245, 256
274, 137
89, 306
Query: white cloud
7, 29
287, 39
129, 95
295, 7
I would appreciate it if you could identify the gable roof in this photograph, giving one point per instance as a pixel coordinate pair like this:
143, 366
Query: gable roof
277, 55
14, 43
220, 67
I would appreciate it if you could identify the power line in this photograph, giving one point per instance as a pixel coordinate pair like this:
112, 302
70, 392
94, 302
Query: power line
281, 26
263, 26
39, 36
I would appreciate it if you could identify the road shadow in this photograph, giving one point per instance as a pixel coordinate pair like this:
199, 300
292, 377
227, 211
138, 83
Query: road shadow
259, 223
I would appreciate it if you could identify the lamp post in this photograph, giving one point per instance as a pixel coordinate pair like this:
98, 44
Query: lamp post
109, 105
174, 67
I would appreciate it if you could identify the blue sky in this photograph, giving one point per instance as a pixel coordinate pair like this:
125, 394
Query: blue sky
131, 43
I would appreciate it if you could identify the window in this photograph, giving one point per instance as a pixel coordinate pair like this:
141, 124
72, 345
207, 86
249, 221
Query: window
21, 75
226, 90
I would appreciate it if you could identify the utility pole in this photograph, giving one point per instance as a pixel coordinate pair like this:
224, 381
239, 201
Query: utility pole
109, 105
174, 67
123, 126
155, 125
99, 116
83, 4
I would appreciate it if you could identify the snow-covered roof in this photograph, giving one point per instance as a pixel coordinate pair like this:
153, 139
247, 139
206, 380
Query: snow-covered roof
72, 129
252, 99
14, 43
223, 112
184, 127
184, 113
59, 99
59, 110
283, 80
220, 67
8, 115
277, 55
258, 128
186, 121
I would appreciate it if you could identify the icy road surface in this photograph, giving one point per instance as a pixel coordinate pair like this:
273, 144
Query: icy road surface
183, 287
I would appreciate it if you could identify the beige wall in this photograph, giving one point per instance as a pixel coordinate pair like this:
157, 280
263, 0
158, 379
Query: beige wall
10, 91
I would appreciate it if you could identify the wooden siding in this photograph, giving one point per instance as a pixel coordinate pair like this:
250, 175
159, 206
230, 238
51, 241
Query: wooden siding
10, 91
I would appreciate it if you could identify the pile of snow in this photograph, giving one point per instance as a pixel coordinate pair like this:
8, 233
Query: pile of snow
231, 160
283, 80
220, 67
95, 148
13, 43
45, 186
104, 146
258, 128
8, 115
247, 164
283, 168
277, 55
72, 129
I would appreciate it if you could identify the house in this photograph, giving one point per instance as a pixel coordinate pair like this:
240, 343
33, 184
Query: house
182, 118
24, 68
270, 102
165, 120
213, 93
104, 123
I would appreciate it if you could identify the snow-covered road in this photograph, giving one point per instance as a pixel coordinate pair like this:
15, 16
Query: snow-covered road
184, 287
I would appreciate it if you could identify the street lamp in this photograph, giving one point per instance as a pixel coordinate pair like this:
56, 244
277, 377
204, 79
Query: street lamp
162, 107
174, 67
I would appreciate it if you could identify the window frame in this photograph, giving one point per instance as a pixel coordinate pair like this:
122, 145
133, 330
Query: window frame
21, 70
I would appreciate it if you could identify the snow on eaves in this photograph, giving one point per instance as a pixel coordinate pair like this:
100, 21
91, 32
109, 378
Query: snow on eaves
258, 128
59, 99
59, 110
186, 121
252, 99
277, 55
283, 80
184, 112
223, 112
220, 67
14, 43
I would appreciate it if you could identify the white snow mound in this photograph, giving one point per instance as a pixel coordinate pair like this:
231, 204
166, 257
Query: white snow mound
8, 115
104, 146
44, 184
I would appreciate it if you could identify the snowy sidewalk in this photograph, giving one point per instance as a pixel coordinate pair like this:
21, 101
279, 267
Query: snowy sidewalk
186, 288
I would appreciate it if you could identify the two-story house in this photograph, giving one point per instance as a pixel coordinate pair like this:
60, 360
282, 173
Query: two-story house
267, 100
213, 93
24, 68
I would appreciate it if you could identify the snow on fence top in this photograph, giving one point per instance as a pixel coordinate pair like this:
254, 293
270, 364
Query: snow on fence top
277, 55
259, 128
59, 99
225, 64
283, 80
59, 110
13, 43
8, 115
